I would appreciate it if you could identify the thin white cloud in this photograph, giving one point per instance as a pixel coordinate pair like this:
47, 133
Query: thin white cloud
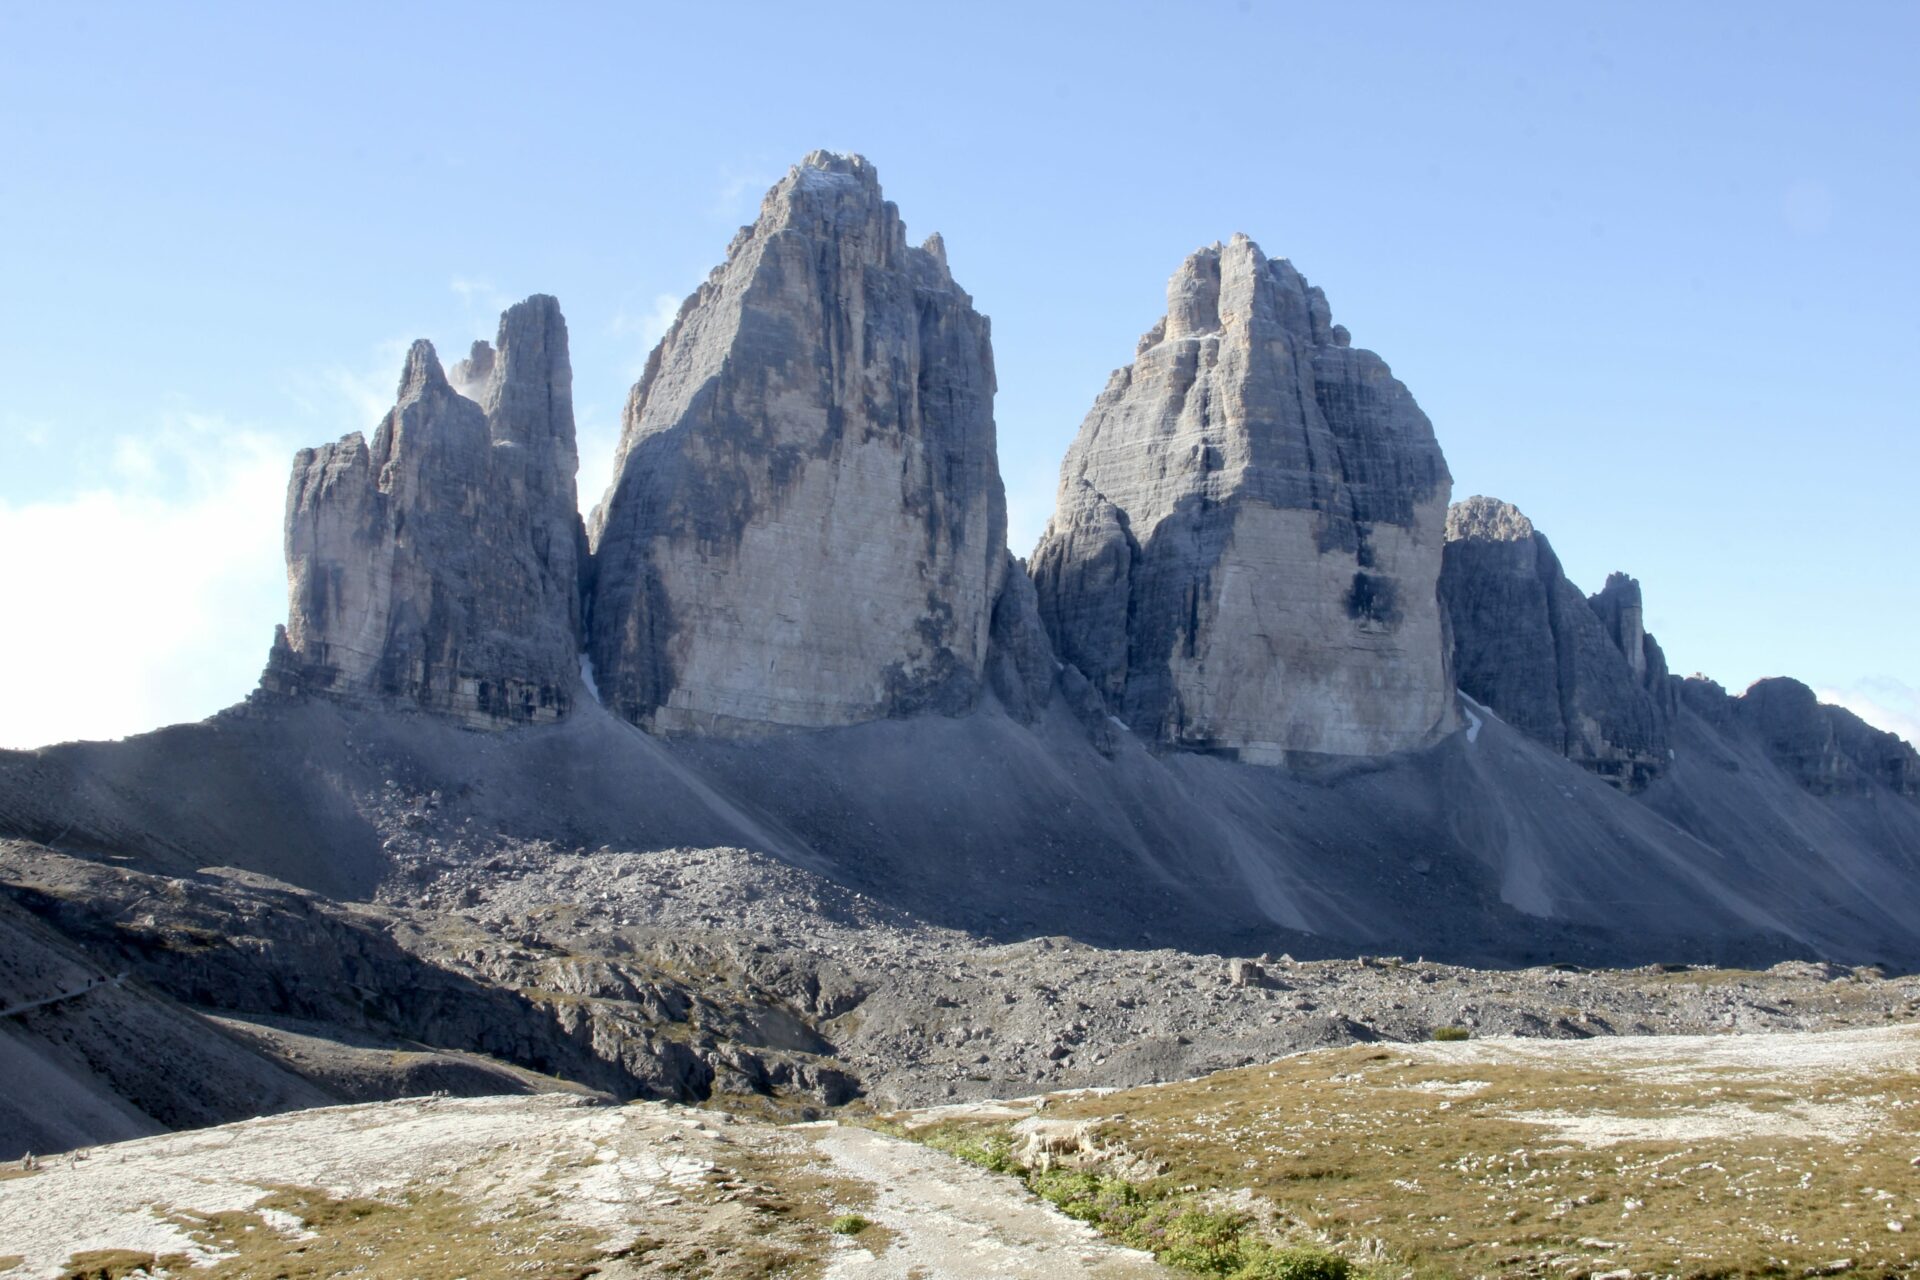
31, 432
151, 597
741, 191
1883, 702
479, 295
337, 399
646, 327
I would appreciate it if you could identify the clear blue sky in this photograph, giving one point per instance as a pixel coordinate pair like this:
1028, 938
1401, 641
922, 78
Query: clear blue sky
1649, 268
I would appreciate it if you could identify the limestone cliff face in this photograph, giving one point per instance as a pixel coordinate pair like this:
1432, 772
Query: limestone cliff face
1249, 528
440, 566
1581, 676
806, 524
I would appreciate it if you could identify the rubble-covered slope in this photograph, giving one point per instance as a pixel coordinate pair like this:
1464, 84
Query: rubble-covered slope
1487, 847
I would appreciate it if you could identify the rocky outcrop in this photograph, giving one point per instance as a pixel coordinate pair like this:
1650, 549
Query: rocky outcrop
440, 567
1826, 749
1249, 527
1582, 677
1623, 617
1020, 662
806, 525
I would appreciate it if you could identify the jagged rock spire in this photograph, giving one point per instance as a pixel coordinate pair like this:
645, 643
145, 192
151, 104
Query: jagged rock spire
440, 567
806, 524
1580, 675
1249, 527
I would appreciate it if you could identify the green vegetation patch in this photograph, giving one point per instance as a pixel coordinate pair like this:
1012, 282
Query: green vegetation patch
1474, 1165
1177, 1225
428, 1236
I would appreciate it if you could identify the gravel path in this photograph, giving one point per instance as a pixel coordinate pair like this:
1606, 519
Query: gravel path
949, 1219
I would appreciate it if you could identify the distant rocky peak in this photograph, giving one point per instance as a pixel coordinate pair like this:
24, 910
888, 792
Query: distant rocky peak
1580, 675
1484, 519
1622, 613
422, 373
469, 377
1248, 530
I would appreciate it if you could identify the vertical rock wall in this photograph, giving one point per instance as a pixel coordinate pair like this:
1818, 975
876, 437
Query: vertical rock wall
1581, 676
806, 524
1249, 528
440, 566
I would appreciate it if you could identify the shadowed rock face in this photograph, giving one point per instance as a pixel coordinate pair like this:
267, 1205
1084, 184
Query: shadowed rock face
1826, 749
806, 524
1581, 676
1248, 533
440, 567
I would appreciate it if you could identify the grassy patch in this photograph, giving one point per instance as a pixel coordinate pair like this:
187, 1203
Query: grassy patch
114, 1264
849, 1224
430, 1235
1180, 1227
1722, 1173
1452, 1033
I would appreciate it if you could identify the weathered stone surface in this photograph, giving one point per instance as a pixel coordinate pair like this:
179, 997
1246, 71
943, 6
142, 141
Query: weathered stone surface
441, 566
1827, 749
1020, 662
1249, 528
1571, 673
806, 524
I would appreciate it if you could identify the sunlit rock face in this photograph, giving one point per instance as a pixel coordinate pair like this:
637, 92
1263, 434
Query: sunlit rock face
1580, 675
1248, 534
440, 566
806, 525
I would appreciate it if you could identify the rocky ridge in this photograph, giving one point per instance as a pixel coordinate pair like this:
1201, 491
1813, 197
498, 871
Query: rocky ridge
1249, 530
441, 566
1580, 675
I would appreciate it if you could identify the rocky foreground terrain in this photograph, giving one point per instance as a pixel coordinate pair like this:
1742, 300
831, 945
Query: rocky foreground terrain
1785, 1154
704, 975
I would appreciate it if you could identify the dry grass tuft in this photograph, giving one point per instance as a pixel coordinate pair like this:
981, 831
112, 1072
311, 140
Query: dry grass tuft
1482, 1163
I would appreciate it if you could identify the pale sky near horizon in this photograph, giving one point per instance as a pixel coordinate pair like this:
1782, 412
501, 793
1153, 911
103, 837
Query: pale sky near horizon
1649, 268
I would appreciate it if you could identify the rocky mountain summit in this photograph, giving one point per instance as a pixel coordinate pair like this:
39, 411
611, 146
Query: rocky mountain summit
806, 524
1249, 530
441, 567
